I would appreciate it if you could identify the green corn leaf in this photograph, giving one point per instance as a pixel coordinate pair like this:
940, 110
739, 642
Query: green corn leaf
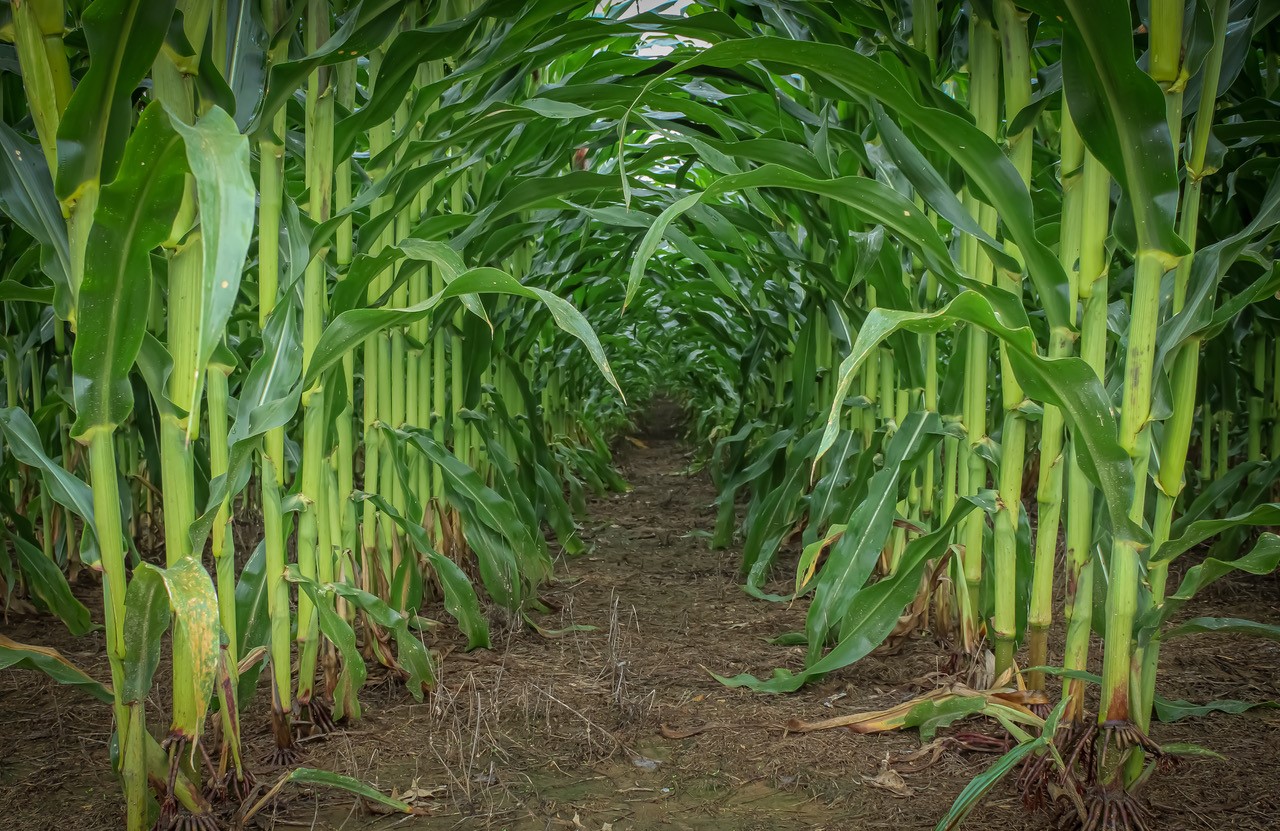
1170, 710
878, 608
124, 38
853, 75
146, 619
411, 654
361, 30
1194, 533
47, 582
340, 633
1068, 383
728, 491
930, 716
982, 784
871, 200
764, 529
311, 776
52, 663
269, 398
26, 197
1227, 625
253, 622
1190, 749
219, 158
460, 599
134, 216
23, 440
246, 58
186, 590
852, 558
490, 515
351, 328
1121, 115
1263, 559
13, 291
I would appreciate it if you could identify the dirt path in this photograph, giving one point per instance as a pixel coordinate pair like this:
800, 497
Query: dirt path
565, 732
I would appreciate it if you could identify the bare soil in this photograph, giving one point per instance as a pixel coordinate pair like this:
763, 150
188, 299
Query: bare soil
566, 732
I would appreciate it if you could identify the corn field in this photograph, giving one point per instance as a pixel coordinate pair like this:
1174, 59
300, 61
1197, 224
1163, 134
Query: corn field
323, 324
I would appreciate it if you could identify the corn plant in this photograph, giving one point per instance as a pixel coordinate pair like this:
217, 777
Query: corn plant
369, 280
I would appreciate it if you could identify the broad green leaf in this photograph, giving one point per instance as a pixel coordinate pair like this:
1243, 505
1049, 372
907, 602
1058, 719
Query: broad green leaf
339, 632
1067, 383
460, 599
1190, 749
1197, 532
411, 654
269, 398
931, 715
853, 75
124, 38
1263, 559
878, 608
361, 30
253, 621
134, 215
146, 619
853, 557
1228, 625
52, 663
1121, 115
982, 784
186, 590
869, 199
765, 528
485, 514
219, 158
311, 776
47, 582
246, 58
23, 440
26, 197
1169, 710
351, 328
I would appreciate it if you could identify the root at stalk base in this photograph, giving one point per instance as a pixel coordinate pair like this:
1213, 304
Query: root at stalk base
286, 753
1115, 809
284, 757
1074, 795
1123, 735
238, 787
186, 821
318, 719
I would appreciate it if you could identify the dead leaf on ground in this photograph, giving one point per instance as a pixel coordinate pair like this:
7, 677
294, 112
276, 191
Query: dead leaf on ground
889, 780
924, 757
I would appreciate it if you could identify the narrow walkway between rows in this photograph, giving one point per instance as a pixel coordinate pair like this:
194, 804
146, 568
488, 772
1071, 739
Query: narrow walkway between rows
591, 728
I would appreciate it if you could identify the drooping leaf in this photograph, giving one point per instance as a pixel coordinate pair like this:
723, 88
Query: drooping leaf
351, 328
52, 663
26, 197
1227, 625
47, 582
459, 595
878, 609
